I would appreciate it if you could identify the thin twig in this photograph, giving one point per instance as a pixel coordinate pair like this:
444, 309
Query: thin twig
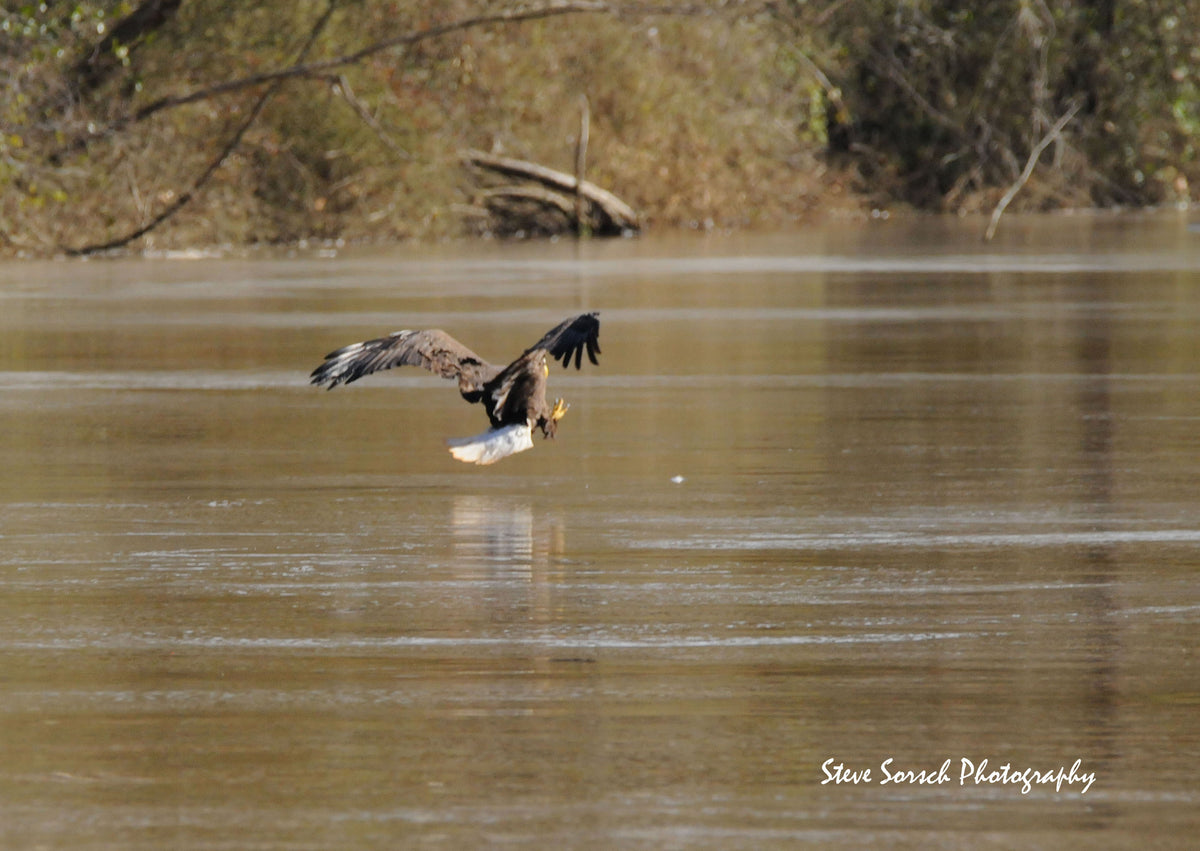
582, 228
1030, 164
341, 86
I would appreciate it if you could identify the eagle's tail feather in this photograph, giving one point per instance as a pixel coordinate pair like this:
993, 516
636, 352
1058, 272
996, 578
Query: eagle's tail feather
493, 444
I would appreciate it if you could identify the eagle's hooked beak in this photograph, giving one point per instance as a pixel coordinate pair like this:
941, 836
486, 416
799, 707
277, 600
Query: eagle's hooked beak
560, 410
545, 370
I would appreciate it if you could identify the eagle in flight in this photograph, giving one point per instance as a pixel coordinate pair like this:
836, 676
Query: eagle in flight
514, 396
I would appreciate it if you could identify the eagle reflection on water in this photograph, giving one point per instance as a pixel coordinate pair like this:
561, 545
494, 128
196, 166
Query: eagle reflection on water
514, 396
495, 531
504, 552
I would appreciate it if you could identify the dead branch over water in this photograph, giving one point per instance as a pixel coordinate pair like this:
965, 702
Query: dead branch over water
1053, 135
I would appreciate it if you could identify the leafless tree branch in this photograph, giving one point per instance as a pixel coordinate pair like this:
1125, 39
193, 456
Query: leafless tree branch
341, 86
185, 197
1030, 164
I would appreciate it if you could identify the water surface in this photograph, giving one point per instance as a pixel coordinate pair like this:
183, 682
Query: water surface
854, 494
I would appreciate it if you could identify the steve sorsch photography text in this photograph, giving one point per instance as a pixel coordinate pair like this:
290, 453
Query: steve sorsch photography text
967, 772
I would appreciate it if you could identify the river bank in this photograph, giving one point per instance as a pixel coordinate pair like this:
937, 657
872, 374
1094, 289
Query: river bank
281, 125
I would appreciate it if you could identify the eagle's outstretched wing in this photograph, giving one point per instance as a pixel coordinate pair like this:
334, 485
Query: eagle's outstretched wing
571, 338
434, 350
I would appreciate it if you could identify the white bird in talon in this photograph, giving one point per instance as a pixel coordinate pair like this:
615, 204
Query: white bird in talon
514, 396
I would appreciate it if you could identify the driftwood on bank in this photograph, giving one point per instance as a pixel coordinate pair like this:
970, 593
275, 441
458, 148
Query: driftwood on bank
544, 201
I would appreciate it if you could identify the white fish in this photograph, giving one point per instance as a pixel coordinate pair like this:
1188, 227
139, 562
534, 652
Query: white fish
493, 444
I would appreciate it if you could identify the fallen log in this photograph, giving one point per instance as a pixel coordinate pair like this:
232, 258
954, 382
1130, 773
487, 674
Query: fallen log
606, 213
528, 211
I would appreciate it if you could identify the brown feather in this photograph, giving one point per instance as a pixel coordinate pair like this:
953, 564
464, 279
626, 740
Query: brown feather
572, 337
518, 393
434, 350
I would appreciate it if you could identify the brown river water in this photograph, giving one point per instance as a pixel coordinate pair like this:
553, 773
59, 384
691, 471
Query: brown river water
864, 498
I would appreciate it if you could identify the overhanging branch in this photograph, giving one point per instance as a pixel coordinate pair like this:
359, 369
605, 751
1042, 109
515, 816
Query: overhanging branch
235, 140
325, 66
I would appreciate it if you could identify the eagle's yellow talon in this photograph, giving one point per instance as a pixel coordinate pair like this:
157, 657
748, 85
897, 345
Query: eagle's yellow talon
560, 410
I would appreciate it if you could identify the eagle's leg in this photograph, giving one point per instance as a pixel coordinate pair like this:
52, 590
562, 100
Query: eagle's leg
549, 424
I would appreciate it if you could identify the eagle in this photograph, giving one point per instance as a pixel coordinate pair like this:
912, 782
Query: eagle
514, 396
